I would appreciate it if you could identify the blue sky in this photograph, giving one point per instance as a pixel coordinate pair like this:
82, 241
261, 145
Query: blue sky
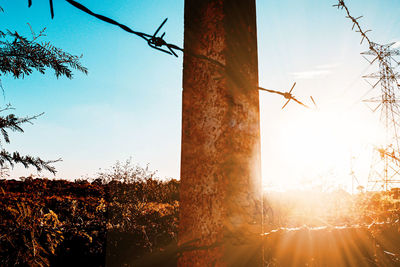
130, 103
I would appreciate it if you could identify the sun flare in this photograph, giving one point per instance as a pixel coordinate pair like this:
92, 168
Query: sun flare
319, 146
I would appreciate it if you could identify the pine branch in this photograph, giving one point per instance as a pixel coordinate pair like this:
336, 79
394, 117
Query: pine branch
27, 161
13, 123
20, 56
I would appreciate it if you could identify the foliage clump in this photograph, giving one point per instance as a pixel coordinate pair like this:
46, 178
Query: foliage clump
91, 222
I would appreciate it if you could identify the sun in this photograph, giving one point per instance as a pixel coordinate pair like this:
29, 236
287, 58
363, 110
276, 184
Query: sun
319, 146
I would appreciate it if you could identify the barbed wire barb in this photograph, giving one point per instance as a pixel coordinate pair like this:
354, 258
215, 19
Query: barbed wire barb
286, 95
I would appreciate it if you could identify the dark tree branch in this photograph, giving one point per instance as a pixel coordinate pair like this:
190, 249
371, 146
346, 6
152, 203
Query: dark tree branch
20, 56
27, 161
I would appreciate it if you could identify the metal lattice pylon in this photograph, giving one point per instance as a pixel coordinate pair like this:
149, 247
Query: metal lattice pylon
385, 166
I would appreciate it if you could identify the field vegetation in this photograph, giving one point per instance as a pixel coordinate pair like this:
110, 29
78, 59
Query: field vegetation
125, 216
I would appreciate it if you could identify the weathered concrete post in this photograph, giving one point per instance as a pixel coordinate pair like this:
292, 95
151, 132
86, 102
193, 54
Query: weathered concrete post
220, 219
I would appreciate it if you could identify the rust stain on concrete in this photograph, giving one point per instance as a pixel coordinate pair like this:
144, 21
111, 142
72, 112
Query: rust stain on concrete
220, 160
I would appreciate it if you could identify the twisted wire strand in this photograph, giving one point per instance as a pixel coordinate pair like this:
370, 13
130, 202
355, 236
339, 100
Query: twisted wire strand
158, 43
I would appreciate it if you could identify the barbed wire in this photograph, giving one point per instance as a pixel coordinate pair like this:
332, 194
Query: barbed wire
158, 42
333, 227
287, 95
341, 5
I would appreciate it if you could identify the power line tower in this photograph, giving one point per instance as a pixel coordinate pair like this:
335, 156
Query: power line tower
385, 167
